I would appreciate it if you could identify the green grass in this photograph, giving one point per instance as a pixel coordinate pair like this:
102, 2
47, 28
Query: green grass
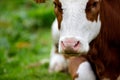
25, 40
25, 65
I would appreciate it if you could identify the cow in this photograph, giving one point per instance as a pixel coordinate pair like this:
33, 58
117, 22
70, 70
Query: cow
91, 28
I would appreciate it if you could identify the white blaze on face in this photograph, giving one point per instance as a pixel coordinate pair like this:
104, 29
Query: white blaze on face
75, 24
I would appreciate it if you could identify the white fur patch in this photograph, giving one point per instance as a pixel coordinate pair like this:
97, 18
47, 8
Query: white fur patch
55, 32
85, 72
57, 62
75, 24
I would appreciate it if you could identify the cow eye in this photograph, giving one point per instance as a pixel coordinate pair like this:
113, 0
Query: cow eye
95, 4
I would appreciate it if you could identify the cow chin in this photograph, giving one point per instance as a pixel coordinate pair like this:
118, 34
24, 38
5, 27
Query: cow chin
72, 53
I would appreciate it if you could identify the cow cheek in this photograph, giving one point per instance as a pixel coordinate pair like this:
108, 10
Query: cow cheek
92, 11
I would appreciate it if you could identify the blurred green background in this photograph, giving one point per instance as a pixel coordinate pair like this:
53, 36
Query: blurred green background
25, 40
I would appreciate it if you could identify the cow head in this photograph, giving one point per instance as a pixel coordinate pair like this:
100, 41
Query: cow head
79, 24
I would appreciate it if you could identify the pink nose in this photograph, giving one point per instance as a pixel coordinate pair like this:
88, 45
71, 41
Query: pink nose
70, 45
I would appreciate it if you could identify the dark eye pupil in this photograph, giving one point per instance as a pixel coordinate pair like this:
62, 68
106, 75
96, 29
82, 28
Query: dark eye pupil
95, 4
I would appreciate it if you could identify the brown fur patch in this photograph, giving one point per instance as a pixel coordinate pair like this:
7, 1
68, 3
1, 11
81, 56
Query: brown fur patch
118, 77
58, 11
107, 43
73, 65
92, 10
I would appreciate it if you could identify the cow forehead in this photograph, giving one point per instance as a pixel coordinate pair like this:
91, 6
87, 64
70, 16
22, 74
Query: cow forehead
81, 2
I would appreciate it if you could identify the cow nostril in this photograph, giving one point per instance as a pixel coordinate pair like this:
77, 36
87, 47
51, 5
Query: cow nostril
62, 43
77, 44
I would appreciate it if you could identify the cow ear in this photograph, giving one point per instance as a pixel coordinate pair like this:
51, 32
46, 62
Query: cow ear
93, 9
40, 1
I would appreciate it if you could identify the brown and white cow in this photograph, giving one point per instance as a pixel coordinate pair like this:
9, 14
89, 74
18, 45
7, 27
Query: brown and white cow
67, 39
91, 28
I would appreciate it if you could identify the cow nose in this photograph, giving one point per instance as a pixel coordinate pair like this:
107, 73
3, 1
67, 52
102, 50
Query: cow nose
70, 44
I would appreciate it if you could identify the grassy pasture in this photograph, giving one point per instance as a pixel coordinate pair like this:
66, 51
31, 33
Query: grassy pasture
25, 40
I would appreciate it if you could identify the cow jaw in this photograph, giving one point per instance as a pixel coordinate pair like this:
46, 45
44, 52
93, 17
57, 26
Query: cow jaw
75, 25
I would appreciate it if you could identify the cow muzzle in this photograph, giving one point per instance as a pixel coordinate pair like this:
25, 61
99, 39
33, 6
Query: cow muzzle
70, 46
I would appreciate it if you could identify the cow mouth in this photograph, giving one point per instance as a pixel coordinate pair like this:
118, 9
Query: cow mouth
71, 53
